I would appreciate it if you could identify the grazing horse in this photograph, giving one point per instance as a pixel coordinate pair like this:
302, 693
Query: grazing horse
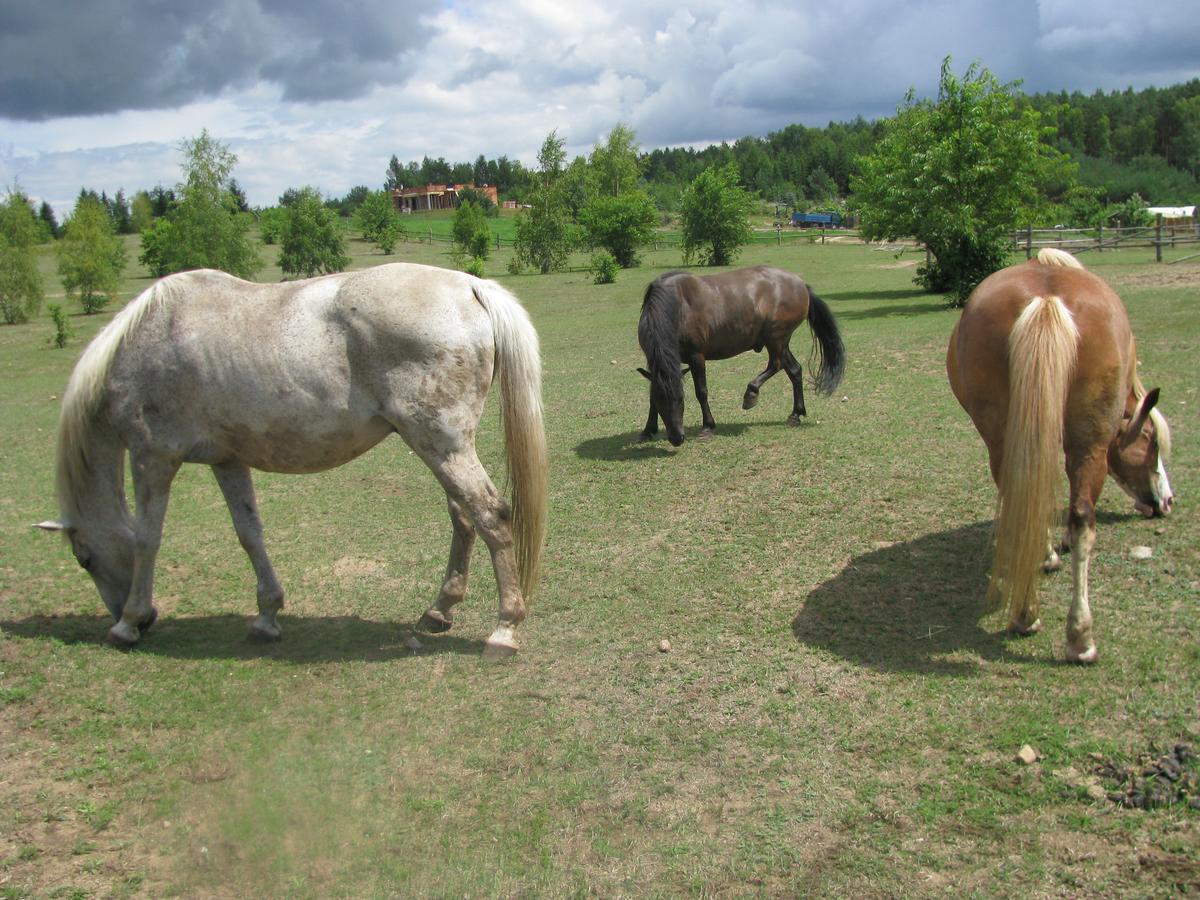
696, 318
1043, 361
301, 377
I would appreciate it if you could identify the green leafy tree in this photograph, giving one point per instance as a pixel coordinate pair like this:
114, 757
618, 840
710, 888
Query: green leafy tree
141, 212
620, 224
378, 220
715, 215
544, 231
158, 244
616, 214
470, 230
91, 256
958, 174
206, 229
311, 240
20, 281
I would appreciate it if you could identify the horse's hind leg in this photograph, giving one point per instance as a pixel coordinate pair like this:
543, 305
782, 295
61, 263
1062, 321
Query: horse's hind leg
1086, 478
440, 616
796, 375
152, 476
468, 486
750, 398
238, 490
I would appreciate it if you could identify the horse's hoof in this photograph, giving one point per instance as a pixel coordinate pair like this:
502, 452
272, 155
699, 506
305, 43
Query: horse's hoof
1086, 657
1052, 564
150, 620
793, 419
750, 400
123, 635
434, 622
502, 644
705, 434
647, 436
1023, 630
265, 632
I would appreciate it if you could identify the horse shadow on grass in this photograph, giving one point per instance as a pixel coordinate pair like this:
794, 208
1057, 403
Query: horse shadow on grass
306, 640
913, 606
629, 447
921, 302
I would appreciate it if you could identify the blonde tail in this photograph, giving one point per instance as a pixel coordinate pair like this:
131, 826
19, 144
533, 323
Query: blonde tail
1041, 357
519, 366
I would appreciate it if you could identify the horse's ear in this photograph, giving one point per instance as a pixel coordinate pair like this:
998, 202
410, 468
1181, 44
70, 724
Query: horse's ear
645, 374
1139, 417
53, 526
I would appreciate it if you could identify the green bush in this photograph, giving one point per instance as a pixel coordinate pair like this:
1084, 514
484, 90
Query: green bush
603, 268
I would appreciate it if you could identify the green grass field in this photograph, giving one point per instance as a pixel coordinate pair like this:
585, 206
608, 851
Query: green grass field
834, 717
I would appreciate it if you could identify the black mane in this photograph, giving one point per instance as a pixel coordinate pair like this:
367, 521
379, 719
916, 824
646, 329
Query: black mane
658, 333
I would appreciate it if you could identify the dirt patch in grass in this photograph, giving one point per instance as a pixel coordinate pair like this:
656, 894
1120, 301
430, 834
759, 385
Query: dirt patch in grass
1184, 275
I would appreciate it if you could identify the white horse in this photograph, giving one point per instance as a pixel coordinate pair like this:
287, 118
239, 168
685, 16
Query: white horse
301, 377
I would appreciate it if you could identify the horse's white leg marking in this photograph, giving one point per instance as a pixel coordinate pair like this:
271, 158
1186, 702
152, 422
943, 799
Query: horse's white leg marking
1080, 645
467, 484
152, 476
238, 490
440, 616
1053, 561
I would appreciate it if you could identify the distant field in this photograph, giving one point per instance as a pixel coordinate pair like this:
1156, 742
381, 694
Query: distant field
834, 717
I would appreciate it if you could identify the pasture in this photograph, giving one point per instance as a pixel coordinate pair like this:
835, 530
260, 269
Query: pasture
834, 716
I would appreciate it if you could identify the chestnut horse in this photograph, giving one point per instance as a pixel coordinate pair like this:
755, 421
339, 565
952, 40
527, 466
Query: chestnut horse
1043, 361
696, 318
301, 377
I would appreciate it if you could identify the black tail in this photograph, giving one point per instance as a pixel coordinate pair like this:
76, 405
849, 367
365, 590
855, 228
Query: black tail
828, 342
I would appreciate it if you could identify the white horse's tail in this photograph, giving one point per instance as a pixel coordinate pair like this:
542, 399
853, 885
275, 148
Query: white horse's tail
519, 368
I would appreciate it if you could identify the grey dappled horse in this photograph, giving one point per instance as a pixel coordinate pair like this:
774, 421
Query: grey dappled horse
300, 377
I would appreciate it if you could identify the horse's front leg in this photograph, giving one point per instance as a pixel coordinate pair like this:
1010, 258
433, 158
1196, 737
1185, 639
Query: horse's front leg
651, 428
1086, 480
152, 476
700, 383
440, 616
238, 489
796, 375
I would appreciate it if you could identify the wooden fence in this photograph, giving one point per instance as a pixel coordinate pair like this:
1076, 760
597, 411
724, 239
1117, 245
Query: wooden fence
1081, 240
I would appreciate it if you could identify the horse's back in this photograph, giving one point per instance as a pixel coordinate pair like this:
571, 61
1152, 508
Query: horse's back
305, 375
730, 312
978, 356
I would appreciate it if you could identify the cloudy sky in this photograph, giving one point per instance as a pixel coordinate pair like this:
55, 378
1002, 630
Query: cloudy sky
323, 92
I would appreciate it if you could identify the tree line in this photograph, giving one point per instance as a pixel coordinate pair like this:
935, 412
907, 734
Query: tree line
956, 172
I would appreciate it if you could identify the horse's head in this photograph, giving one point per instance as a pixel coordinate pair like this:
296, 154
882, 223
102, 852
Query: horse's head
106, 555
1137, 458
666, 396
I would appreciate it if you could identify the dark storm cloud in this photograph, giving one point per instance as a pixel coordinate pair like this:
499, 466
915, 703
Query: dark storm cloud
63, 57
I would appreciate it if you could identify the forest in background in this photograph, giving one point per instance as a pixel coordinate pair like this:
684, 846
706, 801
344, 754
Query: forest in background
1125, 144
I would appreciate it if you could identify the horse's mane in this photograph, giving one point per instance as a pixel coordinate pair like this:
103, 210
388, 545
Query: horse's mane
1052, 256
84, 395
658, 333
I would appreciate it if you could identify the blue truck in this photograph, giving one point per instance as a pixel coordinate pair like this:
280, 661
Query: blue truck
817, 220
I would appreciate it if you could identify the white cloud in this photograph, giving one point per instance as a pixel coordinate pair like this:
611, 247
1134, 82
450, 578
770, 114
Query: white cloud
308, 96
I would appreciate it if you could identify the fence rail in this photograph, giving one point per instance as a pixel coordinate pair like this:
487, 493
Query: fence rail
1081, 240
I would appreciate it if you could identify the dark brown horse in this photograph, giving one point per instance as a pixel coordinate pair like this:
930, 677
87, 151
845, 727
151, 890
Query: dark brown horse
1043, 361
696, 318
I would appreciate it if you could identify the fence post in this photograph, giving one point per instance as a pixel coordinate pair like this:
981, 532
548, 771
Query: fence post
1029, 241
430, 237
1100, 238
1158, 237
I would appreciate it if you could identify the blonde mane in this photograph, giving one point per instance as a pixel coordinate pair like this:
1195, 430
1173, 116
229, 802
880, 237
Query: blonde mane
1052, 256
85, 393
